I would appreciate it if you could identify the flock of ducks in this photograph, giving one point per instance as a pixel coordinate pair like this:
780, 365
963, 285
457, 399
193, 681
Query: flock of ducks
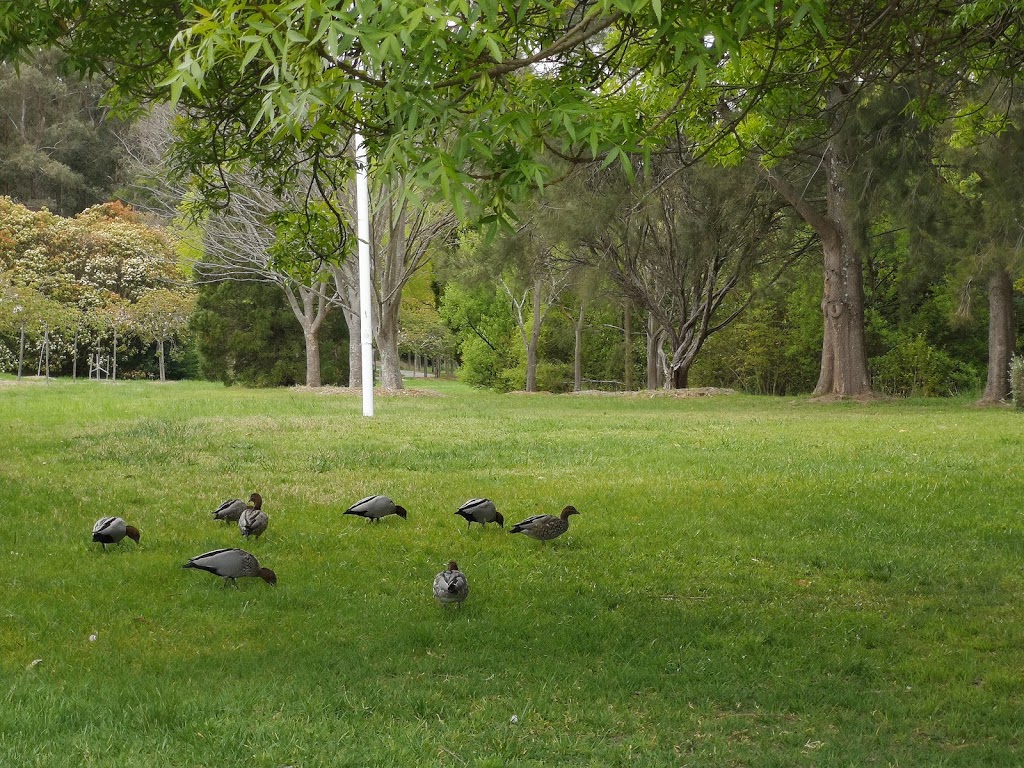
231, 563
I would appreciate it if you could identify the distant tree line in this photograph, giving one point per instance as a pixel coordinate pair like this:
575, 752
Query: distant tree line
644, 211
82, 296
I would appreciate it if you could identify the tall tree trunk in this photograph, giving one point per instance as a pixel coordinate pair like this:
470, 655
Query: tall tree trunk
114, 364
1001, 336
74, 357
346, 283
577, 357
310, 308
21, 351
312, 358
627, 352
844, 362
680, 377
355, 348
387, 348
534, 343
160, 355
653, 341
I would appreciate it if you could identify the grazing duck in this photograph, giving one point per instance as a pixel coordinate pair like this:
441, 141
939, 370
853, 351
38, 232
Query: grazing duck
450, 585
545, 527
480, 511
232, 509
373, 508
253, 521
110, 530
231, 564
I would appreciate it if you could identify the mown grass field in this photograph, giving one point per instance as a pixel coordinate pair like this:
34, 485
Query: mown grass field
751, 582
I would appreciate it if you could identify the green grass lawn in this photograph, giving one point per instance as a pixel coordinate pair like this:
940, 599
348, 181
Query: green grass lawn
751, 581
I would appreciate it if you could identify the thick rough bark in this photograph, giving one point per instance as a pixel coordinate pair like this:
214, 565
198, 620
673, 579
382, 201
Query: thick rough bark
844, 363
387, 348
160, 355
680, 377
1001, 336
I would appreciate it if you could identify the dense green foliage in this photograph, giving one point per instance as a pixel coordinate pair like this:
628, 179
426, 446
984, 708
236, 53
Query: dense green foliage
246, 333
750, 581
59, 148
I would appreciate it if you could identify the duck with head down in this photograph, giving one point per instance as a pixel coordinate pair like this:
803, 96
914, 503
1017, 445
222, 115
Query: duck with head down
373, 508
480, 511
231, 564
111, 530
231, 510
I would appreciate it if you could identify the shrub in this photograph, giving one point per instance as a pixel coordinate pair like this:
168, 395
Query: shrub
913, 367
1017, 380
551, 377
8, 360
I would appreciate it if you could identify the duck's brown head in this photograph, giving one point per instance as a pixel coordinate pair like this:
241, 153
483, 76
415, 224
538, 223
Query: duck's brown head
400, 511
452, 565
499, 519
256, 500
132, 533
268, 576
570, 510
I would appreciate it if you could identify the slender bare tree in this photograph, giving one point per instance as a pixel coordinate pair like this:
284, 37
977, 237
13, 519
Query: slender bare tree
238, 241
685, 244
402, 234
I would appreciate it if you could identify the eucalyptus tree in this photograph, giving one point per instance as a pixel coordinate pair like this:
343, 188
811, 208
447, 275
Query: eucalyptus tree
790, 103
983, 164
685, 243
259, 231
404, 231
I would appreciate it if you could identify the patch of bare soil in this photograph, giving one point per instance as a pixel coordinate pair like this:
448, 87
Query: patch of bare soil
376, 392
871, 397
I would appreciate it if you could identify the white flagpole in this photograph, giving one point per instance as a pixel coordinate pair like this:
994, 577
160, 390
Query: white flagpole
363, 234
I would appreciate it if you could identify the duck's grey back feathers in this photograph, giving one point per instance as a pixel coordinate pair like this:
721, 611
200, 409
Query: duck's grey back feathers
111, 530
230, 510
230, 564
375, 507
451, 585
253, 522
480, 511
